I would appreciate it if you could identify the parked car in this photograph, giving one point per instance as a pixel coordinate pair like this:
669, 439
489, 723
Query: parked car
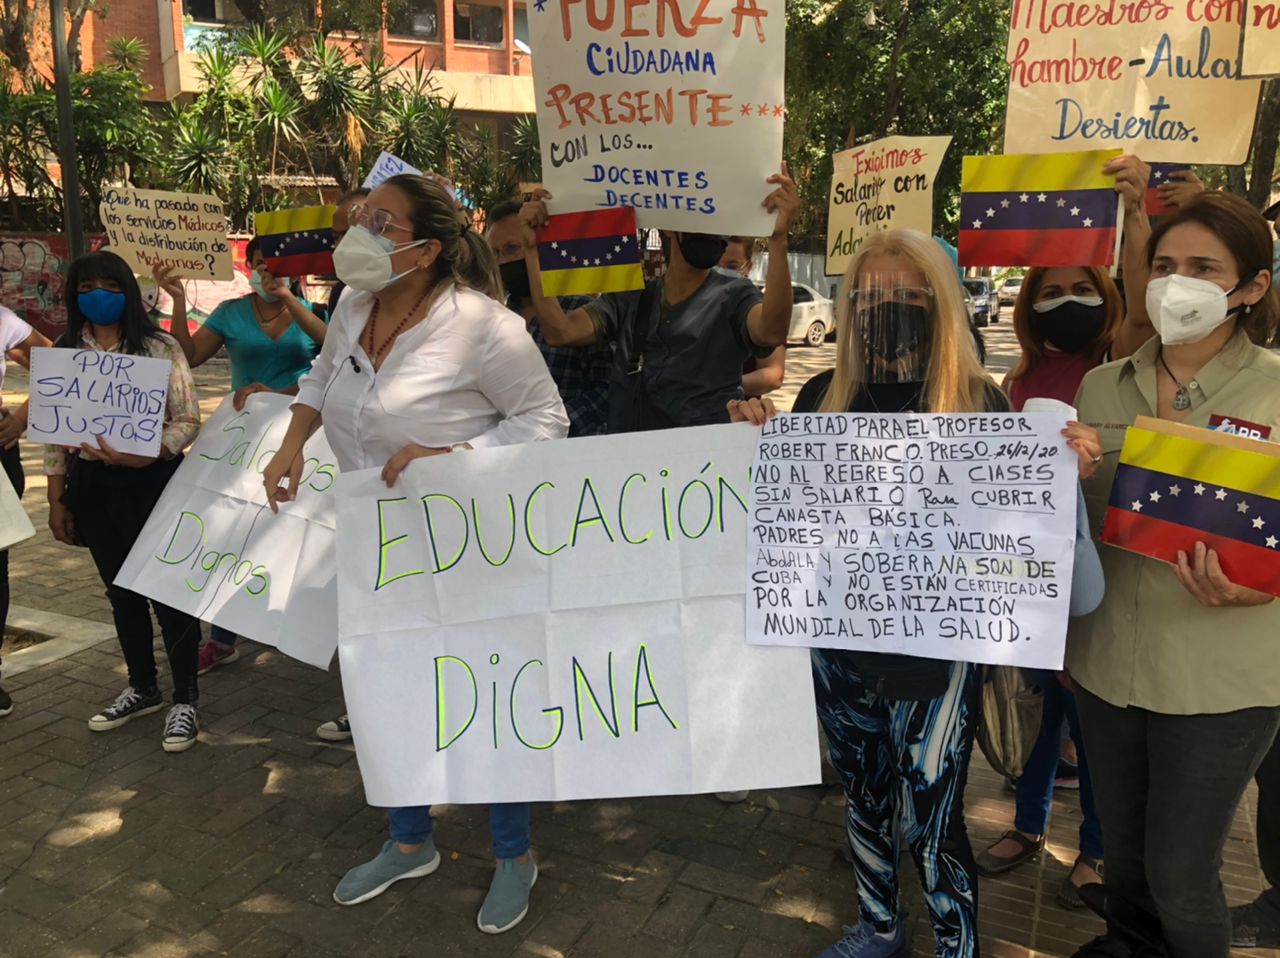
978, 304
1010, 290
813, 316
984, 291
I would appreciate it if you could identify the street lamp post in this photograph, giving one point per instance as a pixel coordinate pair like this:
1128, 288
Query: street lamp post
68, 157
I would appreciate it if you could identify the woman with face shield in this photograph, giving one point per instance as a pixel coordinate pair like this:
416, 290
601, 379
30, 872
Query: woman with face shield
1176, 674
421, 360
901, 728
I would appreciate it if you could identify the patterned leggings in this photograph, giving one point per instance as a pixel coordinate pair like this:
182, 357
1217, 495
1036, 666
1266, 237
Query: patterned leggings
903, 765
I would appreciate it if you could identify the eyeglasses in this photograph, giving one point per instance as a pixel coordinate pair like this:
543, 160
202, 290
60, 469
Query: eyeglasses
376, 222
872, 296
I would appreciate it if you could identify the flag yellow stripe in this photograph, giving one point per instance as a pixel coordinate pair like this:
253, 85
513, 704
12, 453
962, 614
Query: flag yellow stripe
301, 218
1246, 471
596, 279
1037, 171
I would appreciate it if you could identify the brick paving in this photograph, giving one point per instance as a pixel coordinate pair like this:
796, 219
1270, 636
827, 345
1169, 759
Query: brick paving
109, 847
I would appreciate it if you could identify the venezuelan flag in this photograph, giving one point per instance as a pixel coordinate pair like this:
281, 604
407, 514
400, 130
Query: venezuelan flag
1178, 485
1160, 173
297, 242
1056, 209
582, 254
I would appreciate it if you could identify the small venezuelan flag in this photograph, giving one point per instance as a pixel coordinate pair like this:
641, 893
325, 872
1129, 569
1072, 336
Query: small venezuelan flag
1178, 485
1159, 176
1054, 209
582, 254
297, 242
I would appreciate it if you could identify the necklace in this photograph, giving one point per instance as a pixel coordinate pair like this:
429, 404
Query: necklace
1181, 398
375, 355
260, 310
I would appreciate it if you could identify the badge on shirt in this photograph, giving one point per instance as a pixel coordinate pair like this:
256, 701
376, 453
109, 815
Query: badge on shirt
1239, 427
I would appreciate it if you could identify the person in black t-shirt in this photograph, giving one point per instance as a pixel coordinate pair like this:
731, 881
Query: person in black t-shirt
901, 728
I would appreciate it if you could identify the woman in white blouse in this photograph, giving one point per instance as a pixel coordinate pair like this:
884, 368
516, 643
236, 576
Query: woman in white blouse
419, 362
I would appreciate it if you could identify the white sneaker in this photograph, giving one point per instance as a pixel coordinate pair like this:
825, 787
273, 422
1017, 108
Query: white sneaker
181, 727
732, 798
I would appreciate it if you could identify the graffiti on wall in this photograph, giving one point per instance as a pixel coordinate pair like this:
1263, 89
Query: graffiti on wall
32, 269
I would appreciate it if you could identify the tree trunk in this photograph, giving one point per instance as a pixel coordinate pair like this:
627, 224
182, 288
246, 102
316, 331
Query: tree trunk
17, 19
893, 81
1266, 140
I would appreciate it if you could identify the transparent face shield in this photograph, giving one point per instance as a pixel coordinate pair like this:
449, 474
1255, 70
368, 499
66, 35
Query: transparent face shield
891, 321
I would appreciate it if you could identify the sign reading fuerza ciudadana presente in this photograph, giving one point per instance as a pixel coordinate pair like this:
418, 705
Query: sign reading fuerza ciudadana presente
1159, 79
674, 107
563, 620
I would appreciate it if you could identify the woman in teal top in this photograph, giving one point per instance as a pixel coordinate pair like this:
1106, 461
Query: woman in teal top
271, 336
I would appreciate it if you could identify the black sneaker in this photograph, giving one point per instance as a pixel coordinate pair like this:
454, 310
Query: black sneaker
128, 705
337, 730
1255, 925
181, 727
6, 703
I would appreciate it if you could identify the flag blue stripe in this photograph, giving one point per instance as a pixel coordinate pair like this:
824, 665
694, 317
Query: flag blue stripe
1009, 211
1206, 510
597, 251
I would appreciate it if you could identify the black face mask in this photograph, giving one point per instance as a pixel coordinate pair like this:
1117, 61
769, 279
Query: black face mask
893, 332
1070, 326
702, 250
515, 279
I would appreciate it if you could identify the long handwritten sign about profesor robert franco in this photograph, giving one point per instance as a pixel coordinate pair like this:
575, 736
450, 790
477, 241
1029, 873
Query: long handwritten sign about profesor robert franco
186, 232
943, 536
78, 395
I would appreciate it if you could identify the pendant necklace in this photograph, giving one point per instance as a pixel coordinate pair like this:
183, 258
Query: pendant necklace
1181, 398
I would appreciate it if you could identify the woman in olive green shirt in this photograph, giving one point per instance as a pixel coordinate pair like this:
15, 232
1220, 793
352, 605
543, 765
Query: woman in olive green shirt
1178, 672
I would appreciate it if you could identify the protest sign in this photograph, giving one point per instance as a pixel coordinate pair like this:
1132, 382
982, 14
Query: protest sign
184, 231
78, 395
386, 166
214, 549
1157, 79
15, 524
942, 536
883, 185
563, 620
675, 108
1260, 39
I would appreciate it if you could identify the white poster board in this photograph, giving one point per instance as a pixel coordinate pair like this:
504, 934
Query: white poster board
212, 547
563, 620
675, 108
884, 185
78, 395
1260, 39
1155, 79
184, 231
15, 524
386, 166
943, 536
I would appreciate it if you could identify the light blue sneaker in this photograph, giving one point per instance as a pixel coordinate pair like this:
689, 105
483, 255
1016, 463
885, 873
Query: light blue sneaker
374, 877
508, 900
861, 941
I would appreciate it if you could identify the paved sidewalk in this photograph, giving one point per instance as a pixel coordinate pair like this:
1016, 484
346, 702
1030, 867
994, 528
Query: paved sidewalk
110, 847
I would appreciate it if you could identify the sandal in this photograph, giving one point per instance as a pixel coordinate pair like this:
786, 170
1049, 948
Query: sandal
1069, 891
991, 865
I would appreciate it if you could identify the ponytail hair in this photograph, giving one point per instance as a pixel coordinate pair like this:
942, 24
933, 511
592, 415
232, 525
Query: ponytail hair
465, 257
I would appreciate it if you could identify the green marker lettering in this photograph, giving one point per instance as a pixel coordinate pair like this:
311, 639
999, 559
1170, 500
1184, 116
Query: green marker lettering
642, 662
580, 681
622, 505
559, 712
528, 528
579, 522
442, 714
385, 544
511, 514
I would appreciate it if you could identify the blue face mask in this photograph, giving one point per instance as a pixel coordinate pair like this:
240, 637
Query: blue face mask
256, 283
102, 307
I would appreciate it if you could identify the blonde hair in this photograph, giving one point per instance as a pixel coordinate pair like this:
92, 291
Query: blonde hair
955, 381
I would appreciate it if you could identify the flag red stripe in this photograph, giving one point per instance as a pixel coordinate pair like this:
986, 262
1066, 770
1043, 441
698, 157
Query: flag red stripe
1155, 205
593, 223
301, 264
1244, 564
1075, 247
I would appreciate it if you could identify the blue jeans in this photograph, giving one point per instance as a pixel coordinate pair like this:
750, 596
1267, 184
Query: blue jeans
509, 825
224, 637
1035, 787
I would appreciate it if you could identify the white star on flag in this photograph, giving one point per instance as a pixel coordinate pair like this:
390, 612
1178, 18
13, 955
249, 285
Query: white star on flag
1258, 523
617, 249
597, 262
1004, 204
990, 213
1220, 494
1155, 497
1242, 507
1087, 221
1137, 506
1158, 174
573, 259
1061, 203
1075, 211
608, 256
555, 245
1272, 542
977, 224
1175, 490
1023, 198
1198, 489
1042, 197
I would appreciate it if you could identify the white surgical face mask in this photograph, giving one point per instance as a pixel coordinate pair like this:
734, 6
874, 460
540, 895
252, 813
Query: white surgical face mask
1185, 309
363, 261
256, 283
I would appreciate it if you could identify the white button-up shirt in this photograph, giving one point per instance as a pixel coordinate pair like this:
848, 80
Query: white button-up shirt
469, 372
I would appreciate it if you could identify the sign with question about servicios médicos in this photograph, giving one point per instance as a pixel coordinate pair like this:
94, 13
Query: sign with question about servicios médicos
186, 232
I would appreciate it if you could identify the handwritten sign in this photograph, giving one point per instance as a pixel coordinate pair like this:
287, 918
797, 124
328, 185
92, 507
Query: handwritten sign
1260, 39
1155, 78
213, 548
943, 536
563, 620
386, 166
884, 185
185, 231
15, 524
675, 108
78, 395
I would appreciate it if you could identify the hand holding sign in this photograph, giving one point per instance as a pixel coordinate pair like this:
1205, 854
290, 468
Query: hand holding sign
1132, 177
784, 201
